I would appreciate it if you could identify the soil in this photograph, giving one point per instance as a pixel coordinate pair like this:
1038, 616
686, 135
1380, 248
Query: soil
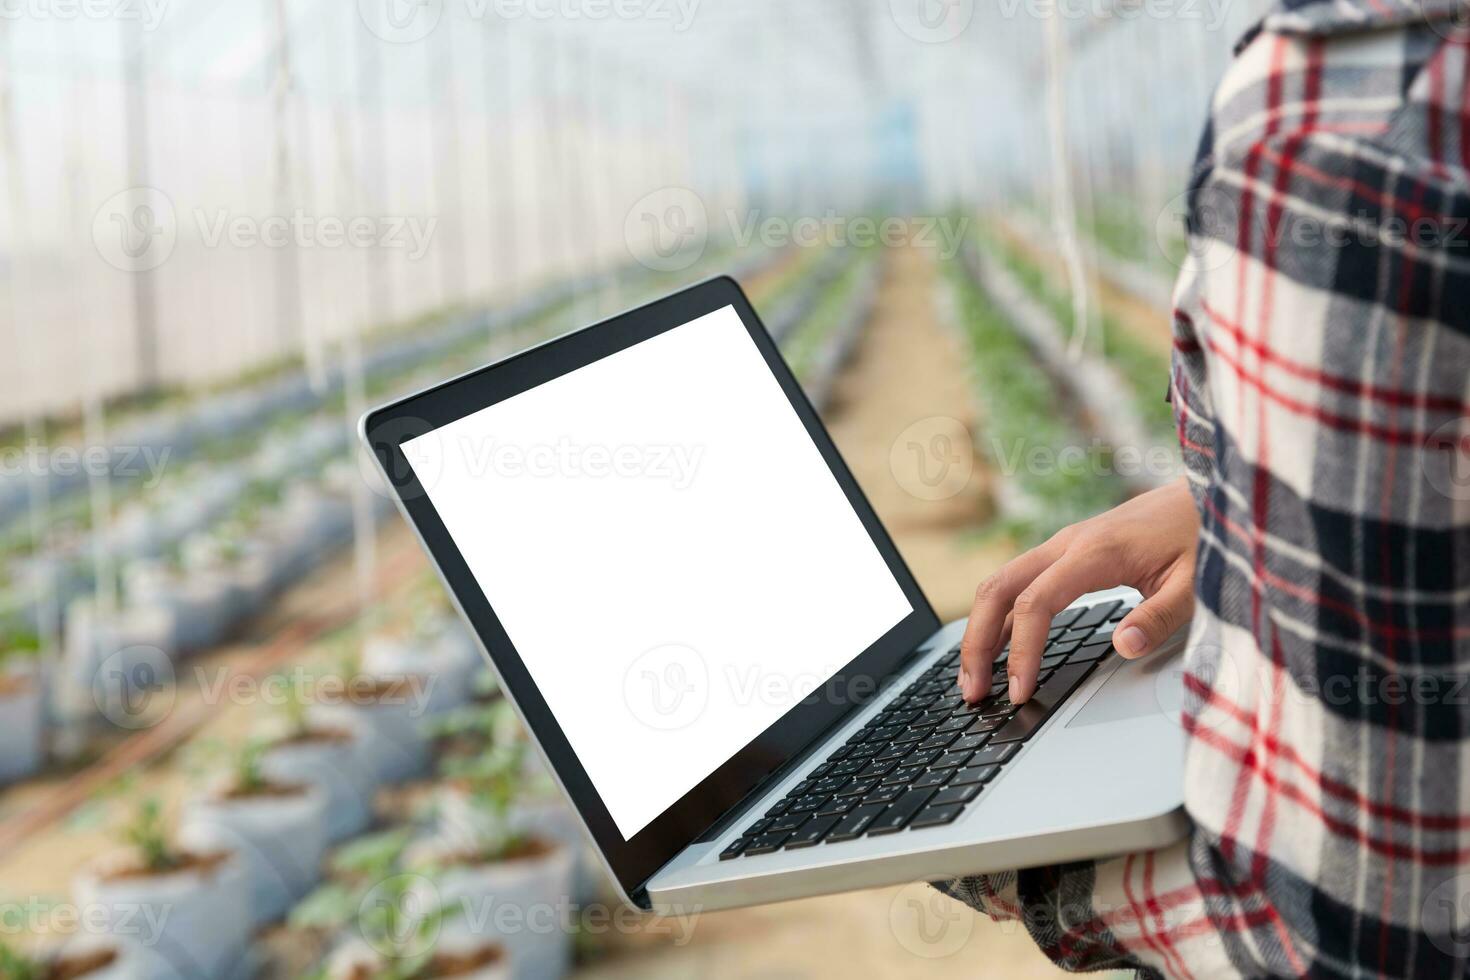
445, 964
185, 862
525, 849
80, 965
265, 791
315, 736
462, 964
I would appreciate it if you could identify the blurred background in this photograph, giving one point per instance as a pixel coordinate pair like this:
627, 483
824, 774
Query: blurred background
229, 228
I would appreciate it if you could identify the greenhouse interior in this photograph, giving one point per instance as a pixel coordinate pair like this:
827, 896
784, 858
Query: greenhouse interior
247, 733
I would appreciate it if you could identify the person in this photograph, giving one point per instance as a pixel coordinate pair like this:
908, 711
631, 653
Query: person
1317, 546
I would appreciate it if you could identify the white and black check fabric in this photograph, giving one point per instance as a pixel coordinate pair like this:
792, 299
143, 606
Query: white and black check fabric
1321, 385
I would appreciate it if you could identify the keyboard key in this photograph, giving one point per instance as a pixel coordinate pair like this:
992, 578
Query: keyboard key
1096, 615
807, 804
953, 725
879, 768
885, 794
838, 806
895, 751
736, 848
858, 787
951, 760
994, 754
856, 823
938, 741
982, 725
956, 794
866, 751
766, 843
904, 776
974, 774
848, 767
969, 743
840, 754
812, 833
781, 807
932, 779
830, 784
900, 812
787, 823
1119, 613
921, 757
1067, 617
1034, 713
936, 816
1091, 651
759, 827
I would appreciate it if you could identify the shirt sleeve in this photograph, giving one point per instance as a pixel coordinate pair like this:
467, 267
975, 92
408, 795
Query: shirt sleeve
1321, 389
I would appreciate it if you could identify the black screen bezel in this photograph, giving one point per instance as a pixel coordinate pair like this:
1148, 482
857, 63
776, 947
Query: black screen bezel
634, 861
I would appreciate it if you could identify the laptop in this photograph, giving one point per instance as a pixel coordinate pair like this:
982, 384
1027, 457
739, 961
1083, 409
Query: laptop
716, 646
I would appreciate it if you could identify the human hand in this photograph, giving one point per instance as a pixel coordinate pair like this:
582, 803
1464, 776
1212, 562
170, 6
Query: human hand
1148, 543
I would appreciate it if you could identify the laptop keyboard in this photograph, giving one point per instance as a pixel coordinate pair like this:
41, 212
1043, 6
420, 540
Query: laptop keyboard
929, 754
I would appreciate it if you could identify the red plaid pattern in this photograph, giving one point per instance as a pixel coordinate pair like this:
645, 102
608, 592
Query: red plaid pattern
1321, 385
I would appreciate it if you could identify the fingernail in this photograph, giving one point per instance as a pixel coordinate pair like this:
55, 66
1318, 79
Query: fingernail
1131, 642
1014, 689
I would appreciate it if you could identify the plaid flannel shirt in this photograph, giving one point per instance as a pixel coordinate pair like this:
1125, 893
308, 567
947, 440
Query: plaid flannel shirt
1321, 386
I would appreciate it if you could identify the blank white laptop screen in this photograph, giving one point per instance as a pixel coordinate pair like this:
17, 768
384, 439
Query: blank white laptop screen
668, 551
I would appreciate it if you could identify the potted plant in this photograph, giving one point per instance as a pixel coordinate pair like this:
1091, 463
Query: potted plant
389, 921
472, 737
388, 713
22, 704
278, 829
304, 751
500, 869
195, 896
94, 961
200, 604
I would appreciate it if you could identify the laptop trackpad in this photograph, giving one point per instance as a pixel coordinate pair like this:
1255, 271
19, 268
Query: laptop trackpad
1153, 685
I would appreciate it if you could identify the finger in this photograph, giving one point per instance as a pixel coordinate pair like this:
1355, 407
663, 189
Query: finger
984, 681
987, 617
1156, 618
1053, 590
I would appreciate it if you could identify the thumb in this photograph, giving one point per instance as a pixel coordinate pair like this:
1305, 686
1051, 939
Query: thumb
1156, 618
